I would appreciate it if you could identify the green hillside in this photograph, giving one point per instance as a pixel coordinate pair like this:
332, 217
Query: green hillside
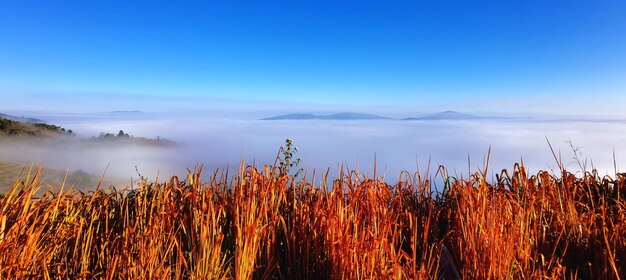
15, 128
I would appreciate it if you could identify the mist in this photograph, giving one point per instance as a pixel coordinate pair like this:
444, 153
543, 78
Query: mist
395, 146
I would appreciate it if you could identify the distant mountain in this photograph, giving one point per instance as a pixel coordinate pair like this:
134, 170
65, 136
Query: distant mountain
447, 115
451, 115
353, 116
20, 119
337, 116
296, 116
126, 112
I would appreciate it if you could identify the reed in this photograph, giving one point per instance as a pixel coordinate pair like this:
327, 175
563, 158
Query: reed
263, 223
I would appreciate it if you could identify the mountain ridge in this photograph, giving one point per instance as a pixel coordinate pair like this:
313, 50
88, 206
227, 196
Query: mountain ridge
445, 115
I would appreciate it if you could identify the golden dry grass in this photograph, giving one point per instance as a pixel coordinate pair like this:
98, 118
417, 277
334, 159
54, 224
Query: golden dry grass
264, 224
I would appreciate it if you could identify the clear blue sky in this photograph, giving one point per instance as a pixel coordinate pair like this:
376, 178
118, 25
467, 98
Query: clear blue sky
318, 52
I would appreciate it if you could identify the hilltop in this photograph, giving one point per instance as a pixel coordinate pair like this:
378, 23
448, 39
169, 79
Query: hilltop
10, 127
446, 115
13, 128
124, 138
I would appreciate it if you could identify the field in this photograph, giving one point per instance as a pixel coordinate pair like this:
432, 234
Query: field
266, 224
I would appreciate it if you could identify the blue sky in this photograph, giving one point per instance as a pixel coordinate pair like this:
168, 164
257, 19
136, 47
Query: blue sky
410, 56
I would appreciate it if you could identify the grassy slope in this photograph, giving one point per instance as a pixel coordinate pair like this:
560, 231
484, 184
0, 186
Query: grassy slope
14, 128
11, 172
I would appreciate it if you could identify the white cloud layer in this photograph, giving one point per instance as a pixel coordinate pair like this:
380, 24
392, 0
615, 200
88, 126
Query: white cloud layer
396, 145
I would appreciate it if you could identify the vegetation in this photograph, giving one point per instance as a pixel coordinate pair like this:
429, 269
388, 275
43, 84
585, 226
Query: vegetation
263, 223
15, 128
285, 160
122, 136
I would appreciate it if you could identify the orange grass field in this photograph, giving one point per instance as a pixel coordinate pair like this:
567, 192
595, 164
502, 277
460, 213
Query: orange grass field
264, 224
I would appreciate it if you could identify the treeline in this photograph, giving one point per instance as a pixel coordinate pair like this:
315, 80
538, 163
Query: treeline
125, 137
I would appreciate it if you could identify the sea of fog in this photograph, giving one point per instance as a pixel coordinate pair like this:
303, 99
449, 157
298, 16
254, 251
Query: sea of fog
324, 144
